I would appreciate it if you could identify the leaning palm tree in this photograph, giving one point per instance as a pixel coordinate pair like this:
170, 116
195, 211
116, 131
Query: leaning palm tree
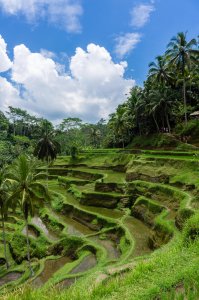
3, 210
28, 192
182, 53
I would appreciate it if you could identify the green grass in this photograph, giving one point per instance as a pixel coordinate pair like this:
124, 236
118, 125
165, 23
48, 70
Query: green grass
151, 278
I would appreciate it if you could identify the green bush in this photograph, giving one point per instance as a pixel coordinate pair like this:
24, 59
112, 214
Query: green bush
66, 246
73, 152
190, 129
57, 201
18, 247
154, 140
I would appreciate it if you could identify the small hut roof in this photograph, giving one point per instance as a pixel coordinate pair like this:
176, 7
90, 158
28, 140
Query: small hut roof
195, 113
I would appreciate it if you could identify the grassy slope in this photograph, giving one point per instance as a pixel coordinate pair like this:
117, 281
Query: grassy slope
164, 271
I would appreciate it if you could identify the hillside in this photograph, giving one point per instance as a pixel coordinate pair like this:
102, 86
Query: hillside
117, 224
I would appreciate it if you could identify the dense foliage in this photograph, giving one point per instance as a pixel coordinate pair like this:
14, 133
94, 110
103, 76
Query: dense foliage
169, 95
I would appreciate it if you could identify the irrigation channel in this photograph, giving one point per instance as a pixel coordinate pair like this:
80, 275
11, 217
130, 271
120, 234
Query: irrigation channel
97, 217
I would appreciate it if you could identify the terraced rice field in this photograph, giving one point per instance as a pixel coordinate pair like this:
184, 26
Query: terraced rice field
104, 212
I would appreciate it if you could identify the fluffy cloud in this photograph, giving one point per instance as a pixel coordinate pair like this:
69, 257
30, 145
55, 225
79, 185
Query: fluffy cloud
92, 88
64, 13
140, 14
126, 43
9, 95
5, 63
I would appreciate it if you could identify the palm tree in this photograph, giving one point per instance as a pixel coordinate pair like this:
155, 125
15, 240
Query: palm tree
27, 191
47, 148
182, 53
134, 109
159, 70
120, 123
160, 105
3, 210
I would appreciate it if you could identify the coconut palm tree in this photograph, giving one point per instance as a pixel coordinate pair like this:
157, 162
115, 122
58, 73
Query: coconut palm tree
159, 70
183, 53
160, 105
28, 193
3, 210
120, 123
47, 148
134, 109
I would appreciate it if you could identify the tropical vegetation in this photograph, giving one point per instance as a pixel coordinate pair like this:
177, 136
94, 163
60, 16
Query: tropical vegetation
120, 212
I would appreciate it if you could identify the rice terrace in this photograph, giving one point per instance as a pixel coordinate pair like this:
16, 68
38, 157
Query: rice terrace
99, 170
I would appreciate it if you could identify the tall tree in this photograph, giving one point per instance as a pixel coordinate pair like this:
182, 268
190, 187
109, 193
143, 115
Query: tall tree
120, 123
46, 148
161, 101
159, 70
28, 192
95, 135
182, 53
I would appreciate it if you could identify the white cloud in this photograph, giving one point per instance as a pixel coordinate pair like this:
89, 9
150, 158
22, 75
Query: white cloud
140, 14
94, 88
9, 95
126, 43
64, 13
5, 63
48, 54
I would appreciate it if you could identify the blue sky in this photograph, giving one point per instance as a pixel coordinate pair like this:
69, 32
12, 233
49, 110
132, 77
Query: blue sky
63, 58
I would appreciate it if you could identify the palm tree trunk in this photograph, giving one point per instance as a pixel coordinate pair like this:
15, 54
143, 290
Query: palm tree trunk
185, 101
28, 248
123, 142
4, 241
163, 125
139, 129
156, 123
168, 124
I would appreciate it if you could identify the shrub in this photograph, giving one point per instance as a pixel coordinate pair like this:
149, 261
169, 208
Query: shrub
191, 128
66, 246
57, 201
154, 140
18, 247
74, 152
